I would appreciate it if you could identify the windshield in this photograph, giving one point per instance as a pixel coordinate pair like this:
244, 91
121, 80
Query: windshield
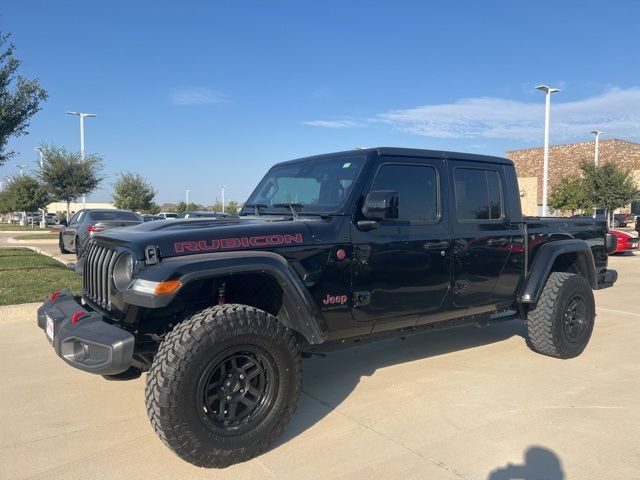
316, 186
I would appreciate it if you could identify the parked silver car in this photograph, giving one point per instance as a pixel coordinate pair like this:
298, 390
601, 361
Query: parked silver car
87, 222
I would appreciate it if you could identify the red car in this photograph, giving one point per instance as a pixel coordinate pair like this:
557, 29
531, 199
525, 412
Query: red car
626, 241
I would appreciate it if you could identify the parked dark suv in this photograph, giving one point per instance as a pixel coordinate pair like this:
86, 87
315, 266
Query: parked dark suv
329, 251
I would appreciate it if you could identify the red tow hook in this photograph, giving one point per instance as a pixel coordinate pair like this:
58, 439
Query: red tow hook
77, 316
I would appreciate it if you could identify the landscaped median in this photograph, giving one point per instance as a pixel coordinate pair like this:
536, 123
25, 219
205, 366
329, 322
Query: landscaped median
27, 276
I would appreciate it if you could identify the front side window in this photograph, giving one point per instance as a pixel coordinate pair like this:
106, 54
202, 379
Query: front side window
417, 189
316, 186
478, 194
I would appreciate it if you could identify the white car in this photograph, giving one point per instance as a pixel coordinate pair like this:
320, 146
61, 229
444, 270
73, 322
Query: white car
166, 215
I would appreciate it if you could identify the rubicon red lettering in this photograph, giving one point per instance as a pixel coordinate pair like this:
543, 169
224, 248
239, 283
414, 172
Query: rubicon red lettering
237, 243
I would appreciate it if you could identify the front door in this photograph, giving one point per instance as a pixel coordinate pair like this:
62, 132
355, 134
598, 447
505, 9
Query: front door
402, 267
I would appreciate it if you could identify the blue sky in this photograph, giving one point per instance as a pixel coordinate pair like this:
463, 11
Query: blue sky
197, 94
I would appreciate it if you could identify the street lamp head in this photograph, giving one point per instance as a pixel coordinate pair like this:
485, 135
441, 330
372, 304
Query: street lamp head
596, 132
547, 89
88, 114
73, 113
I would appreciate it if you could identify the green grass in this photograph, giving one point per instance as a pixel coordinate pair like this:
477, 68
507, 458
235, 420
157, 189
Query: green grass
4, 227
27, 276
37, 236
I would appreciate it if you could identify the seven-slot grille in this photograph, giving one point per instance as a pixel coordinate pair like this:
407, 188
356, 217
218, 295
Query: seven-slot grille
97, 274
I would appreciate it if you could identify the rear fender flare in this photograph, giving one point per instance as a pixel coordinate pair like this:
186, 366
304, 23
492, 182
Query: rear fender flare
546, 255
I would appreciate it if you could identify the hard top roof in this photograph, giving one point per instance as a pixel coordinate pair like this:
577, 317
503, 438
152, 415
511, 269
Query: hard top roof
406, 152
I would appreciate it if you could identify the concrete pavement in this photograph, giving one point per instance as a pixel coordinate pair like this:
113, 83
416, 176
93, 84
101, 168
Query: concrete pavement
46, 247
468, 403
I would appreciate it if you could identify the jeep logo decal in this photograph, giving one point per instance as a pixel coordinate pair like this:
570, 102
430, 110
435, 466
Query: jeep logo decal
335, 300
237, 242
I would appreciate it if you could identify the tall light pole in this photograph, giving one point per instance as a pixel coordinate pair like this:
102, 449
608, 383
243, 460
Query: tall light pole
21, 167
547, 118
222, 188
82, 116
187, 197
40, 150
597, 152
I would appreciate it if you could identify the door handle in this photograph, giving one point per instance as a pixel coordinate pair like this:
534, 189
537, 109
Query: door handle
436, 245
497, 242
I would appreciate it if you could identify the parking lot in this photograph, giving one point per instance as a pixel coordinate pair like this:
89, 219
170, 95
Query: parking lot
468, 403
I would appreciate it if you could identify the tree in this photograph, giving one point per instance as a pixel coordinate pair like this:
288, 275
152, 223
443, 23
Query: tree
183, 207
231, 207
608, 185
20, 98
24, 193
571, 194
67, 176
132, 192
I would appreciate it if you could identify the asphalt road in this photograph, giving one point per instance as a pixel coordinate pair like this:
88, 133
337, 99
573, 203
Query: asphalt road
468, 403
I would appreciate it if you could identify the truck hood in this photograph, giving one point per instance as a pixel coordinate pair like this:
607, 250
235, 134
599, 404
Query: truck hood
201, 235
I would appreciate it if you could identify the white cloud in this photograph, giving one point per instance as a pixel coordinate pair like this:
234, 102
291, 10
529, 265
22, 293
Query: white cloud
197, 96
334, 123
616, 112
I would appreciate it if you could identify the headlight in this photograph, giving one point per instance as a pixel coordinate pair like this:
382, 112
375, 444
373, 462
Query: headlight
123, 271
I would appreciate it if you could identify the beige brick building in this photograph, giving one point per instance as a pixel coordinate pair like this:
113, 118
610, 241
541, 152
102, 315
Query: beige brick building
565, 160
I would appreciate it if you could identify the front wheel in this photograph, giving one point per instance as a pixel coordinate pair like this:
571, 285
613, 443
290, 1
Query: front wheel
616, 222
561, 323
61, 245
223, 385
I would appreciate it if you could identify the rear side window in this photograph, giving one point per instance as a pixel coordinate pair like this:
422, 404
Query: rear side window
417, 189
115, 215
478, 194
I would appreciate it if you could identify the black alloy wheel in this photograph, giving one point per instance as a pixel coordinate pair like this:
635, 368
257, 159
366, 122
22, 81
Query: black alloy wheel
237, 389
574, 321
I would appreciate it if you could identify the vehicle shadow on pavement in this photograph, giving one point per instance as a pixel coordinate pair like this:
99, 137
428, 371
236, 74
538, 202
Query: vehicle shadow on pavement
337, 375
539, 463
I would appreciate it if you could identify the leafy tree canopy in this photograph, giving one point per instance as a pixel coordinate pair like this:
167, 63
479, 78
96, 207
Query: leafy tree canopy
20, 98
132, 192
571, 194
608, 185
23, 193
67, 176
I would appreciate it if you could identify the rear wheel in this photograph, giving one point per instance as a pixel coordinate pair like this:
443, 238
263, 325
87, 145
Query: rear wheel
616, 222
61, 245
561, 323
223, 385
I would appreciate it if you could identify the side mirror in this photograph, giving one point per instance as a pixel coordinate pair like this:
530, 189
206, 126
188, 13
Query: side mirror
381, 205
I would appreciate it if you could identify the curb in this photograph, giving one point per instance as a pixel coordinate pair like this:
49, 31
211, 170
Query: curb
45, 253
42, 240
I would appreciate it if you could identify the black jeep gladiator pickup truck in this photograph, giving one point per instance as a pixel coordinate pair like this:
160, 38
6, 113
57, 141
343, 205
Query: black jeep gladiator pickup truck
328, 251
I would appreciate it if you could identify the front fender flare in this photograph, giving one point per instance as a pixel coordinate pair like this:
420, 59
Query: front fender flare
545, 257
300, 310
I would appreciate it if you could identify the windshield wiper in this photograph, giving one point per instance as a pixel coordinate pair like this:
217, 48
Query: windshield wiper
256, 207
292, 207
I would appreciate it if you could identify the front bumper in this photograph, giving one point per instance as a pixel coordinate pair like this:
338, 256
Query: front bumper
92, 344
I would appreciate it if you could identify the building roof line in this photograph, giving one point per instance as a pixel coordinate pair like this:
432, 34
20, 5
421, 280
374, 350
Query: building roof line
608, 140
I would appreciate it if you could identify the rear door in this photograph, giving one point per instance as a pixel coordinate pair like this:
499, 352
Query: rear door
482, 234
401, 268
